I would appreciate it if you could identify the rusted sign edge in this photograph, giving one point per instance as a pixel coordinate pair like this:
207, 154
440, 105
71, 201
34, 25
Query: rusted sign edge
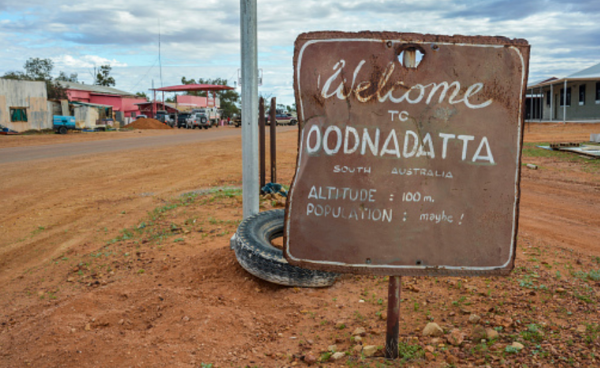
522, 48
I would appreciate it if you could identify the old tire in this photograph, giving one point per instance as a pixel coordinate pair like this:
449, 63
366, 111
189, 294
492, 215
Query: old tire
254, 252
62, 130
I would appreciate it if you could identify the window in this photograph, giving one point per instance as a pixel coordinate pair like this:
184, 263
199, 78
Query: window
597, 92
18, 114
547, 98
562, 96
582, 94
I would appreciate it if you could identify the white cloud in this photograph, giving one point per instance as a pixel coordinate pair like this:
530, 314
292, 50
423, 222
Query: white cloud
202, 38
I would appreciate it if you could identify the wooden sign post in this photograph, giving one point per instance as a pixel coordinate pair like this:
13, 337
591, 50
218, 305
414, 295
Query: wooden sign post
409, 156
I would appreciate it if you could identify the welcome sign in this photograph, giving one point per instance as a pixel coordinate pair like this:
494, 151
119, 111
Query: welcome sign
406, 170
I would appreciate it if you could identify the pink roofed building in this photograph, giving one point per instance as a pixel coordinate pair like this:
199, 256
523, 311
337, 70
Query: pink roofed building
121, 101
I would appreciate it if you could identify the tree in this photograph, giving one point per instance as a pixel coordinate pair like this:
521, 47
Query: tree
103, 77
63, 77
228, 98
37, 69
142, 95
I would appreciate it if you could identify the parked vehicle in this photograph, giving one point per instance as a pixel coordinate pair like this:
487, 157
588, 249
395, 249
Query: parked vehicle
211, 114
62, 124
237, 120
198, 120
163, 116
141, 116
283, 119
183, 119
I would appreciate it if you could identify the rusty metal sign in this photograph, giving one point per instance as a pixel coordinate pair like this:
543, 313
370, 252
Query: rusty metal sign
404, 169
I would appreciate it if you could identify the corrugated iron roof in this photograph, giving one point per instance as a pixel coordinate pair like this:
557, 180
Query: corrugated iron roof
590, 73
95, 89
194, 87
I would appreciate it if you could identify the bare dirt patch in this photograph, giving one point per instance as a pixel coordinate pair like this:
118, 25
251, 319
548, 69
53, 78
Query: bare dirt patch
122, 260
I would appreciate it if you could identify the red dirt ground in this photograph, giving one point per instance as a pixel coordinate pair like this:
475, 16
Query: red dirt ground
103, 263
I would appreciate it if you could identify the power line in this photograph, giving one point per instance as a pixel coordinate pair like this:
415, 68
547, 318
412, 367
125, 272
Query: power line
145, 75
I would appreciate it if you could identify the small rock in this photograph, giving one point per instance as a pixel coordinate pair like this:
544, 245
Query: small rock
430, 348
340, 324
88, 327
532, 166
70, 279
581, 329
456, 337
310, 359
383, 316
357, 339
474, 318
357, 348
504, 322
560, 290
429, 356
517, 345
121, 321
359, 332
432, 329
491, 333
332, 348
479, 333
369, 350
435, 341
185, 319
337, 356
413, 288
361, 301
451, 359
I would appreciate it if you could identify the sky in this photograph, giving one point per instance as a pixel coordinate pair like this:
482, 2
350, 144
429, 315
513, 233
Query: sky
201, 38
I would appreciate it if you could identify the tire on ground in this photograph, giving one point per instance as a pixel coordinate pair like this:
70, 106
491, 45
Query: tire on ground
254, 252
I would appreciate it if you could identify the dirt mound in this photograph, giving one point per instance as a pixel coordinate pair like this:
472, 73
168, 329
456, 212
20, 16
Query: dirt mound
147, 123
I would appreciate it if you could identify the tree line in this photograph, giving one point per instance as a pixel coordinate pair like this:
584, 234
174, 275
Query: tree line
36, 69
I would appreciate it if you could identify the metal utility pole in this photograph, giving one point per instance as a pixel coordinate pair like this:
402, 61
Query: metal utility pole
249, 37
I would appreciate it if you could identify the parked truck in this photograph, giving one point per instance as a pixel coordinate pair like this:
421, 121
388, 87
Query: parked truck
164, 117
210, 113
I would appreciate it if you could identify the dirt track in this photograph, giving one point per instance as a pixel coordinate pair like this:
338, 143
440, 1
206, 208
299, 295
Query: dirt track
104, 264
21, 148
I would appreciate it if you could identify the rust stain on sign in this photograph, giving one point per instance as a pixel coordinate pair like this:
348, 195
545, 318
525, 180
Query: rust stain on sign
406, 170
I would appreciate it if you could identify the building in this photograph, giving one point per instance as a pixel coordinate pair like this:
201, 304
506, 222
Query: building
150, 108
124, 104
190, 102
24, 105
547, 101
